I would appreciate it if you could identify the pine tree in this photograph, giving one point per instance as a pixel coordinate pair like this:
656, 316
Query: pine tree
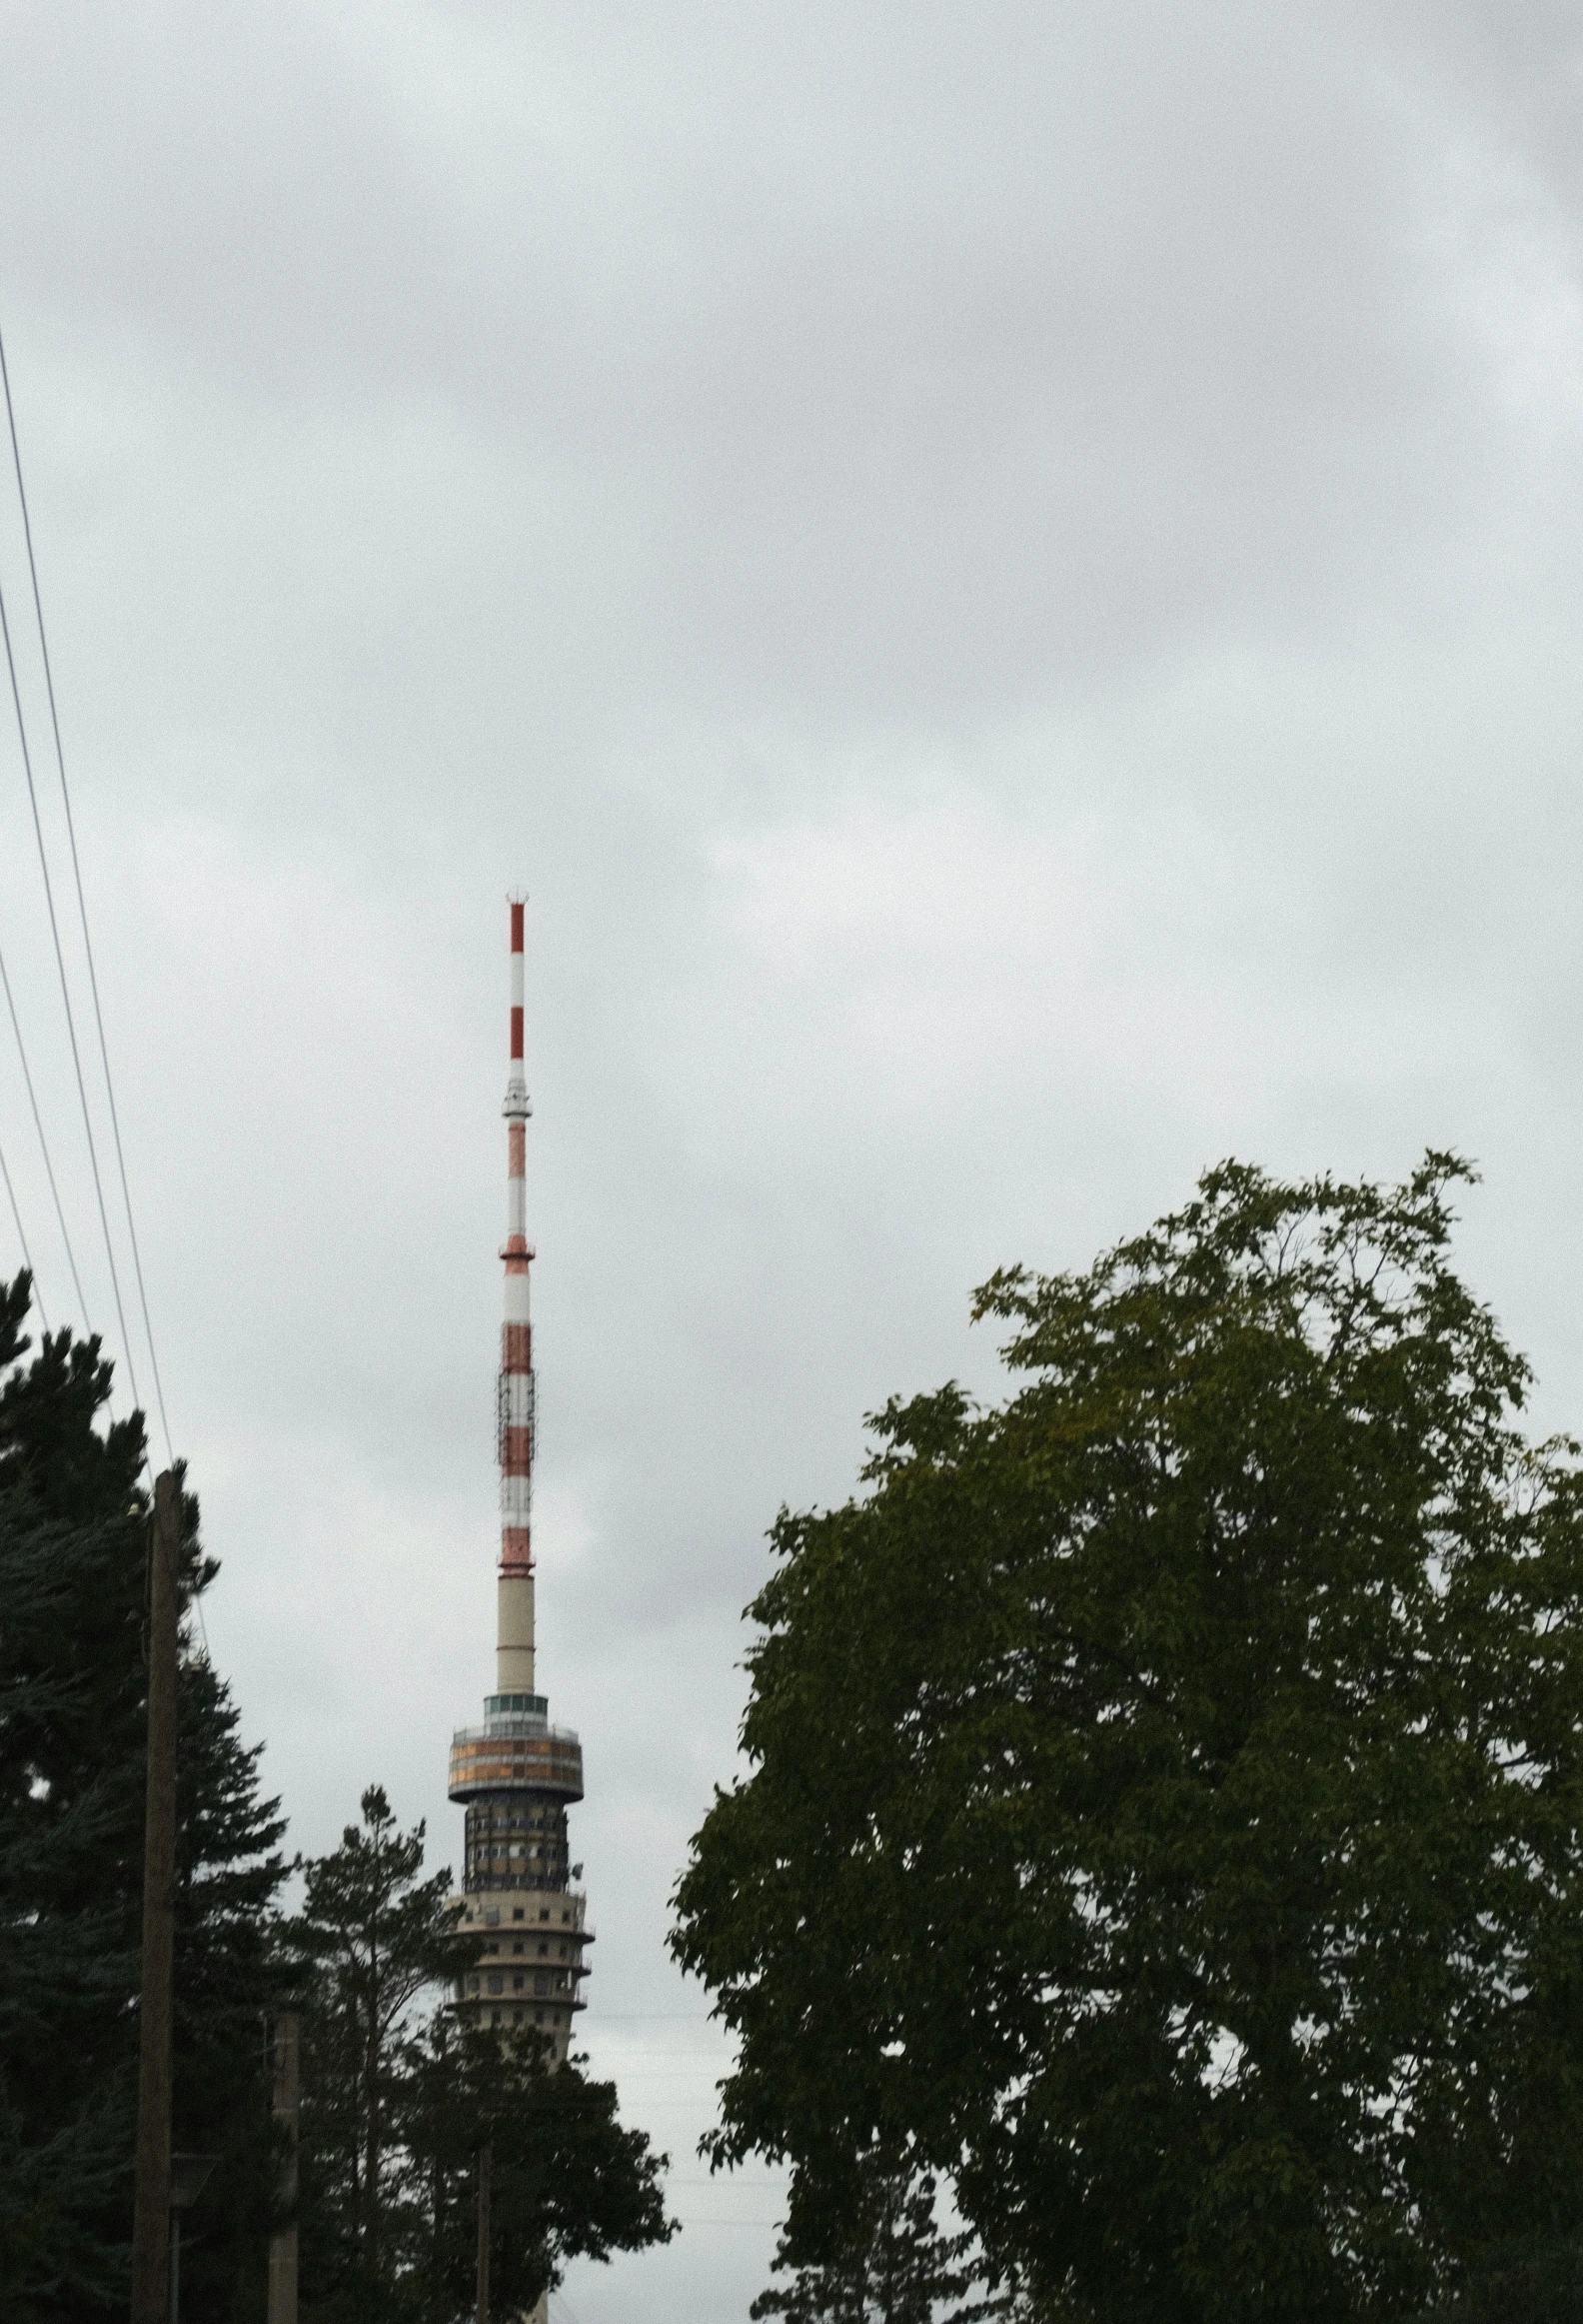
73, 1528
888, 2264
372, 1937
62, 2160
567, 2179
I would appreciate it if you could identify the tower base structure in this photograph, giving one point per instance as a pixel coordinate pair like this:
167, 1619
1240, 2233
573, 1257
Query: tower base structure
516, 1775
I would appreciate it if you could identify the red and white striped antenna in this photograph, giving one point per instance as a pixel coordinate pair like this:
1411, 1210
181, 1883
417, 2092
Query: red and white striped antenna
517, 1775
515, 1401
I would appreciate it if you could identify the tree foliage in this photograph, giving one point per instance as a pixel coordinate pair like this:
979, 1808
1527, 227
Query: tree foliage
888, 2263
73, 1717
373, 1938
567, 2180
399, 2099
1163, 1793
1539, 2281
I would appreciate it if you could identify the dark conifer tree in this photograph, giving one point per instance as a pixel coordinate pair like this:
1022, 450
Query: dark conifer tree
73, 1716
888, 2264
372, 1937
568, 2180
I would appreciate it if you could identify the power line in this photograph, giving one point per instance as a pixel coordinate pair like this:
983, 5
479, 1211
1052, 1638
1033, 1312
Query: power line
60, 964
647, 2017
27, 1256
82, 910
49, 1168
71, 1022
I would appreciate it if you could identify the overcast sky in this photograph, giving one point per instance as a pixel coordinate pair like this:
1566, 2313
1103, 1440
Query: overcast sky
1008, 579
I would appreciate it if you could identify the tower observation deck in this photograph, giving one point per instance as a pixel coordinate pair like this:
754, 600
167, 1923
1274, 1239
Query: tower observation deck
516, 1774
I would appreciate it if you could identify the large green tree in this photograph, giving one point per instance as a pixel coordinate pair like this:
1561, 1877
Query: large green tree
73, 1528
1164, 1794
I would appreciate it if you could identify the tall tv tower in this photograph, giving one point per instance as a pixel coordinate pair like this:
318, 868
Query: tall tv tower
516, 1774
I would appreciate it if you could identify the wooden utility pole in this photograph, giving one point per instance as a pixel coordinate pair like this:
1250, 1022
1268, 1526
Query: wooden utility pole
285, 2050
485, 2157
151, 2212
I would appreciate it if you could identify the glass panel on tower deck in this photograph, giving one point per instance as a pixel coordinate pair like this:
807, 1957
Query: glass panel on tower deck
513, 1840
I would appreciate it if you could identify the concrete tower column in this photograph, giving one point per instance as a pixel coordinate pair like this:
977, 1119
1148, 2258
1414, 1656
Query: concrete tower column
514, 1634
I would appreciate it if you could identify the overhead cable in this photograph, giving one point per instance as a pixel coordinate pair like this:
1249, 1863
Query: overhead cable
82, 912
27, 1256
71, 1022
49, 1168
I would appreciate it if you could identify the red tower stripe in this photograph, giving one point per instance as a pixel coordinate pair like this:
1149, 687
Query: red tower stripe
517, 1347
517, 1018
517, 921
